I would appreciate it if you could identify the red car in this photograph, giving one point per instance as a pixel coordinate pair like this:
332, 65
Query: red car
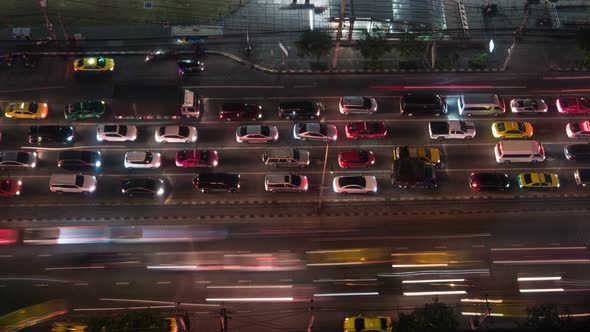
197, 158
10, 187
365, 129
573, 105
356, 158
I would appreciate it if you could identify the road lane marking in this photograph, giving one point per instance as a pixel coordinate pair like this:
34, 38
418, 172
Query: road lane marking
163, 283
44, 255
74, 268
125, 308
6, 256
81, 284
538, 248
122, 283
34, 89
40, 285
234, 87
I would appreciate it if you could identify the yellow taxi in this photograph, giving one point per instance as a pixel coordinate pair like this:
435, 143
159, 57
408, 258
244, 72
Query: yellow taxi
92, 64
512, 129
26, 110
542, 181
68, 327
373, 324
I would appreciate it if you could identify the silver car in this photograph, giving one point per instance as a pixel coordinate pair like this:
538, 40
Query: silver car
315, 131
358, 184
528, 105
257, 134
18, 159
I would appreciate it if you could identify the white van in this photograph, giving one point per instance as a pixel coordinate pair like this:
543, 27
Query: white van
286, 157
481, 104
72, 183
519, 152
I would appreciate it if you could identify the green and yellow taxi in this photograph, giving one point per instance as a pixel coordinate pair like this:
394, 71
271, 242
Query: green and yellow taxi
26, 110
373, 324
85, 110
512, 129
540, 181
94, 64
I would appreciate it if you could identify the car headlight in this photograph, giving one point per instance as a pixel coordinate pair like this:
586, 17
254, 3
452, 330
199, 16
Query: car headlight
33, 165
161, 191
157, 164
70, 138
98, 138
215, 163
19, 182
98, 164
93, 188
17, 192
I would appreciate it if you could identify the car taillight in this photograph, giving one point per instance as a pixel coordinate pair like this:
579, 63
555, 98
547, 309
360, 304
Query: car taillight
474, 184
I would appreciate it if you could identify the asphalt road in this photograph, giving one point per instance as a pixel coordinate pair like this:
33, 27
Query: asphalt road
483, 238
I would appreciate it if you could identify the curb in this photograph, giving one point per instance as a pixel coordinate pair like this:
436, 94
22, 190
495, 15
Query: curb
570, 69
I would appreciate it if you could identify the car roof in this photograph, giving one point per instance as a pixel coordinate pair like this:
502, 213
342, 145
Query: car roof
353, 100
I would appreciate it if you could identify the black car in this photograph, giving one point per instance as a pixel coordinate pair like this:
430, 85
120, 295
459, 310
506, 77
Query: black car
489, 181
79, 159
240, 111
143, 186
186, 67
52, 135
414, 104
207, 182
580, 152
302, 109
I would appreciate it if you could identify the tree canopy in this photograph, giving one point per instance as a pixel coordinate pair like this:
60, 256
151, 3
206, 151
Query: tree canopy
373, 45
314, 43
433, 317
133, 321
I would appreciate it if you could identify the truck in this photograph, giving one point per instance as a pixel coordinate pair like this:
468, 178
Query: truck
413, 173
456, 129
426, 154
155, 102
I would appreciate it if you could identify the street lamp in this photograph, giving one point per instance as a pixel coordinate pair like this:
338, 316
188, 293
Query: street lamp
491, 45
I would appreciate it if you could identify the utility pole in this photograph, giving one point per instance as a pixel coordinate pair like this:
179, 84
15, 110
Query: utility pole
223, 318
339, 33
48, 24
311, 316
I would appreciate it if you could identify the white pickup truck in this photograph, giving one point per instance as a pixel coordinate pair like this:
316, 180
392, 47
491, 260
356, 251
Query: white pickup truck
451, 129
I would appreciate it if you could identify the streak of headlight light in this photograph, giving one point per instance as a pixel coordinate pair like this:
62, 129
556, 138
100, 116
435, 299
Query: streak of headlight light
482, 300
310, 19
346, 294
336, 264
251, 287
344, 280
339, 251
435, 293
465, 313
430, 281
436, 272
419, 265
125, 308
538, 278
541, 290
172, 267
586, 314
250, 299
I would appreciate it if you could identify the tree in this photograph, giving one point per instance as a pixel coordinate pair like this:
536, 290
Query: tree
546, 317
410, 46
433, 317
146, 320
373, 45
314, 43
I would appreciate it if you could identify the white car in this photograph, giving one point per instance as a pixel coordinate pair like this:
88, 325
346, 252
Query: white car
356, 184
72, 183
528, 105
315, 131
116, 133
257, 134
578, 129
176, 134
357, 105
142, 159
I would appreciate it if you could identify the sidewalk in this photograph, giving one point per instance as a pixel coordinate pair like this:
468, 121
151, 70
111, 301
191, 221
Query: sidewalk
265, 23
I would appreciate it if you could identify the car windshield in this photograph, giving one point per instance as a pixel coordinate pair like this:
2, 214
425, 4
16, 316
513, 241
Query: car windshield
123, 130
243, 130
295, 180
79, 62
364, 155
354, 126
296, 154
148, 157
352, 180
22, 157
88, 155
501, 126
204, 155
162, 131
265, 130
584, 102
547, 178
521, 126
575, 127
528, 178
33, 107
79, 180
323, 129
183, 131
374, 126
